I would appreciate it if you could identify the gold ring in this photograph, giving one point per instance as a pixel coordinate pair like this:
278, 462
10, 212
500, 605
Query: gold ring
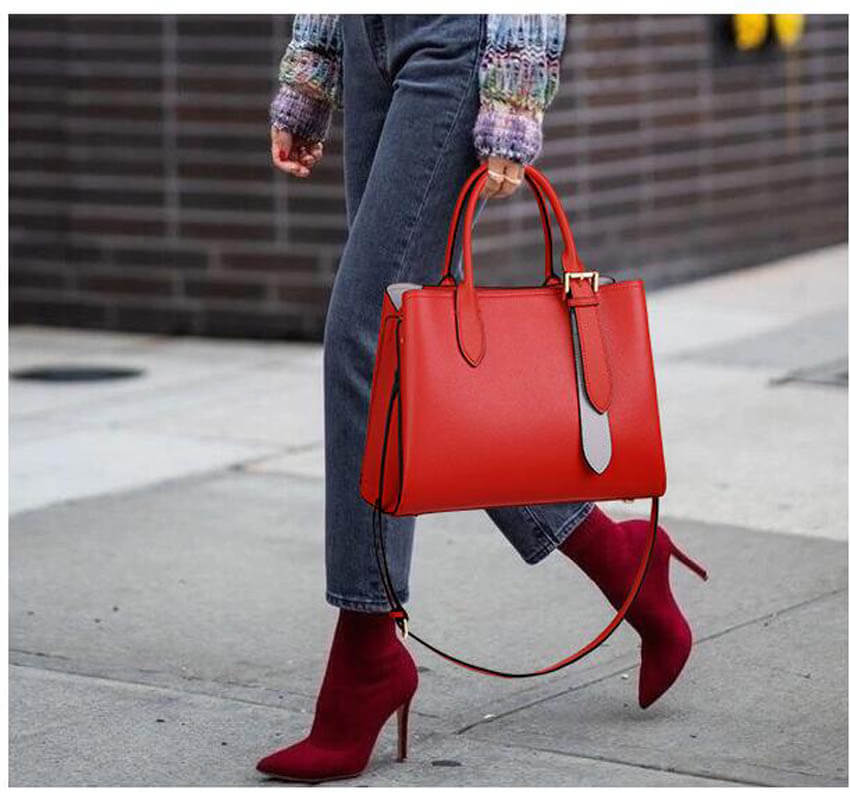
512, 180
494, 175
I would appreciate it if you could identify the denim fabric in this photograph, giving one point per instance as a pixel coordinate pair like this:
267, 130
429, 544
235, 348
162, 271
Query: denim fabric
410, 103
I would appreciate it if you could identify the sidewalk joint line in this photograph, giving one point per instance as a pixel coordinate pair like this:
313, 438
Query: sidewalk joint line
192, 478
156, 686
621, 670
654, 767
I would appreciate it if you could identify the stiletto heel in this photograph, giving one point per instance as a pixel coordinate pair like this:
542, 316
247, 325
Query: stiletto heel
688, 562
402, 715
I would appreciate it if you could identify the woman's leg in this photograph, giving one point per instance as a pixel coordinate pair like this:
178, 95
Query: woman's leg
350, 338
423, 154
400, 203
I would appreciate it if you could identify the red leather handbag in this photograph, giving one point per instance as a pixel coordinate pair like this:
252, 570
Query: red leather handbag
486, 397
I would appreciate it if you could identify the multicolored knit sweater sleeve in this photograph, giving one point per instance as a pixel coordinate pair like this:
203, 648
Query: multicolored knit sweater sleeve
310, 77
518, 79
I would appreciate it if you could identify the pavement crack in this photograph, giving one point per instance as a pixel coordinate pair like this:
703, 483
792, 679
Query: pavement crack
490, 719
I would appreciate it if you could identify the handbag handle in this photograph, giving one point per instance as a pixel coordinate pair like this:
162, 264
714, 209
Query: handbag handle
399, 613
469, 324
453, 229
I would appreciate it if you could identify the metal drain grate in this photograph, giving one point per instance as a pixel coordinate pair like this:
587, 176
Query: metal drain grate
833, 373
75, 374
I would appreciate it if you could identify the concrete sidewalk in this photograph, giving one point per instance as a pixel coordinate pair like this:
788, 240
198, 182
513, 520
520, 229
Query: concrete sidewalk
167, 621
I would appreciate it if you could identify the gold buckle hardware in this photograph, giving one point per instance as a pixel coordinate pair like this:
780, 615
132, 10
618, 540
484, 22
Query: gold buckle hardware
593, 275
400, 617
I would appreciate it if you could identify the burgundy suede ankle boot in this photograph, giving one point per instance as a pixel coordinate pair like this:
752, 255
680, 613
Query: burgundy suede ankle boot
370, 675
610, 553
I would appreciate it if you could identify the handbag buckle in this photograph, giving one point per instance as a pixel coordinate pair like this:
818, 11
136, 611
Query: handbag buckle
401, 620
588, 275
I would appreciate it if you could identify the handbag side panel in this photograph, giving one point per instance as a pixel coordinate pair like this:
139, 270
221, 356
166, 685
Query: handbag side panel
386, 361
507, 432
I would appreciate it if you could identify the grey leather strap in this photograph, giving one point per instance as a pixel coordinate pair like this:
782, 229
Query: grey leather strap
595, 429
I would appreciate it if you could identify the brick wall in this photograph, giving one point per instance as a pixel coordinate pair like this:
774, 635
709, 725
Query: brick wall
141, 196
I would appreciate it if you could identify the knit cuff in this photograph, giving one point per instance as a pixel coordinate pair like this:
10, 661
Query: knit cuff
302, 115
315, 73
501, 131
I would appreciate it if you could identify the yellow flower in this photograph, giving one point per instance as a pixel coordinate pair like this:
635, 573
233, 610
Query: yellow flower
788, 28
749, 30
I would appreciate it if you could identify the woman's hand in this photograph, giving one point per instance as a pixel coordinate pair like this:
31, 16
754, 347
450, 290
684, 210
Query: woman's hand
503, 177
293, 155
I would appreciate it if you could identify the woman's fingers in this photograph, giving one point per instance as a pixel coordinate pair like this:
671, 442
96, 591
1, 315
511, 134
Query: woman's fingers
495, 177
315, 151
513, 174
294, 168
310, 154
284, 153
281, 147
503, 177
293, 156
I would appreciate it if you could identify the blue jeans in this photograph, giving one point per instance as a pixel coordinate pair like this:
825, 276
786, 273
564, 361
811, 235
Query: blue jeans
410, 100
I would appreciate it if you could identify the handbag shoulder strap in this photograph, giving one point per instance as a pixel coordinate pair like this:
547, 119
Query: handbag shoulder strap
400, 614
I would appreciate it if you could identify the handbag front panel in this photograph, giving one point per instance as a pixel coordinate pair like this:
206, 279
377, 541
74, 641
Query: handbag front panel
507, 432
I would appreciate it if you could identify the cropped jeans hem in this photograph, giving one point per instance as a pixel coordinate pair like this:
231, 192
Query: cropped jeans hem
370, 605
549, 540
